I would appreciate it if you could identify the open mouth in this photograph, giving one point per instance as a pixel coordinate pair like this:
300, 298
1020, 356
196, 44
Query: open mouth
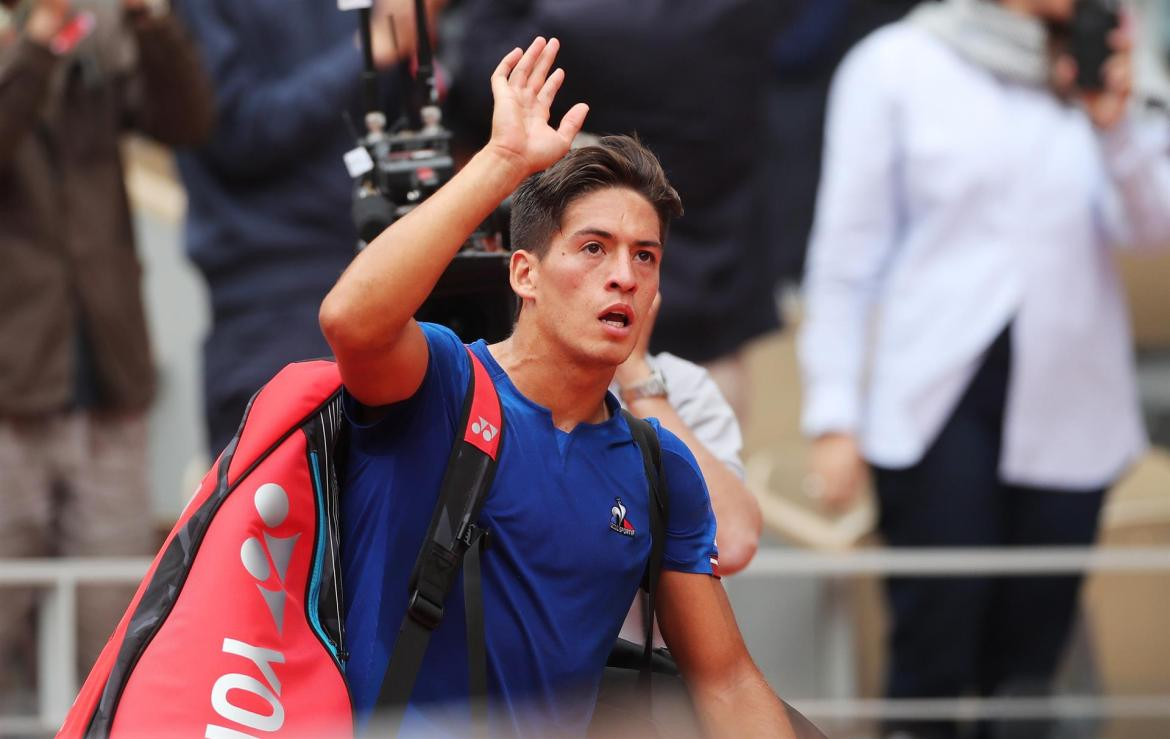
616, 319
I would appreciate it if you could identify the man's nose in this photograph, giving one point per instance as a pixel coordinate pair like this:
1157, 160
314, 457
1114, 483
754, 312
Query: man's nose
622, 275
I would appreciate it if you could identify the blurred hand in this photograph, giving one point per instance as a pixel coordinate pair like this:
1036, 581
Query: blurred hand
46, 19
390, 49
636, 368
1105, 107
524, 91
836, 471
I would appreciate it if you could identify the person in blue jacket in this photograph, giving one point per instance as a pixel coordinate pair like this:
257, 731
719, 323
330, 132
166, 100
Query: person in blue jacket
269, 197
589, 229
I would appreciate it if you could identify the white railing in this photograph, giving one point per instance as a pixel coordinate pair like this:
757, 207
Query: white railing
57, 579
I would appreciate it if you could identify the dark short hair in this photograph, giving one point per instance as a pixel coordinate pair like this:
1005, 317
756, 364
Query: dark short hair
614, 161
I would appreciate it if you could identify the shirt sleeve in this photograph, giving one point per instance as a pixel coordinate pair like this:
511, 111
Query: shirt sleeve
690, 526
25, 69
448, 369
168, 95
1134, 206
701, 406
854, 234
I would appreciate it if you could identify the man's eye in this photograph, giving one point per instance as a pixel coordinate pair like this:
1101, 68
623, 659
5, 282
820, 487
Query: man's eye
646, 256
593, 247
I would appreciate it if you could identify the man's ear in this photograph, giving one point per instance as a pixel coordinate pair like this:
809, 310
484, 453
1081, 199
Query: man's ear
523, 272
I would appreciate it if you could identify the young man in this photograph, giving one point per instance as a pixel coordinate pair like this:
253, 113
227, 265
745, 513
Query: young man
558, 579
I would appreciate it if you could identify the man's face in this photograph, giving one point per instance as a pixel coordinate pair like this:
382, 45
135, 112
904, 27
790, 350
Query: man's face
594, 286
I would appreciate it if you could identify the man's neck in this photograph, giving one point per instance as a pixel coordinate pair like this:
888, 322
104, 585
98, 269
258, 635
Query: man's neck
572, 393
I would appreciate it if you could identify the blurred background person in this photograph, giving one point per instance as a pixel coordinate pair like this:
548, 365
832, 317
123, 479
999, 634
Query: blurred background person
268, 222
802, 61
706, 61
966, 333
684, 398
76, 376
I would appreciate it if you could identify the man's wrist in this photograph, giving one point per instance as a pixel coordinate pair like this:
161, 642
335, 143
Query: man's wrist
632, 371
651, 386
506, 164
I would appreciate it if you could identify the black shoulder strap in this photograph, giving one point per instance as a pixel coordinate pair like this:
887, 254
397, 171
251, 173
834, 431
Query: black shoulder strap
453, 531
647, 440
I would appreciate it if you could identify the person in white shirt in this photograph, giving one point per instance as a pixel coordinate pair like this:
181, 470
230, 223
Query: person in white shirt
684, 398
966, 332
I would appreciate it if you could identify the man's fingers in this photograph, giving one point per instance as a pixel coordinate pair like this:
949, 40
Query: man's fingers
504, 68
572, 122
544, 63
549, 91
519, 76
652, 316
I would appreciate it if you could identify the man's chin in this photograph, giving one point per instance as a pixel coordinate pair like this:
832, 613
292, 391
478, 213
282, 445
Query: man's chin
606, 354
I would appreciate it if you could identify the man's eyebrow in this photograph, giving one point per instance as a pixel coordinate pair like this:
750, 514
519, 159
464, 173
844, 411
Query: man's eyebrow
602, 233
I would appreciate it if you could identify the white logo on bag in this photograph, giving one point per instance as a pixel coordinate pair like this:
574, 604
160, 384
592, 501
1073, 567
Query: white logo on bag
267, 691
271, 503
484, 429
259, 557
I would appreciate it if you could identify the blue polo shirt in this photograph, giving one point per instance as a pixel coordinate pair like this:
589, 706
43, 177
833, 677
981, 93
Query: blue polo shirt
561, 570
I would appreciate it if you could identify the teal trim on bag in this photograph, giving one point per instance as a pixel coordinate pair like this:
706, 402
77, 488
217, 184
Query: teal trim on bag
319, 564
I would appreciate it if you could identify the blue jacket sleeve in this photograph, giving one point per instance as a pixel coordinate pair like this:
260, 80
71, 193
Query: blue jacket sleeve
264, 122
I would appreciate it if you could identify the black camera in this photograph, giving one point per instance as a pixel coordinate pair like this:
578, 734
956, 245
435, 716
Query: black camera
397, 168
1092, 23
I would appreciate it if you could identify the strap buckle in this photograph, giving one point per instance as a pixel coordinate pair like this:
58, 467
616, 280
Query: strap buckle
423, 611
471, 534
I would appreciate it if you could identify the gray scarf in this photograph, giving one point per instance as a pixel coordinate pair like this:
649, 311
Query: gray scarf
1008, 44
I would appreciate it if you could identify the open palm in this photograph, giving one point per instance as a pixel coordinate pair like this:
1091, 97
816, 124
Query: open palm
524, 91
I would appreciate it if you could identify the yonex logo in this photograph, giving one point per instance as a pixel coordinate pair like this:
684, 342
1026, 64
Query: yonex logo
259, 558
485, 429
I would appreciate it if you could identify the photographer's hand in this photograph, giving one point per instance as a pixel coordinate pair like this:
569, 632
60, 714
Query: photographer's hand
524, 90
1107, 106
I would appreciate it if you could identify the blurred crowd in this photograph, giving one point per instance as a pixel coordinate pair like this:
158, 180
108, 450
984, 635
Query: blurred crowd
945, 181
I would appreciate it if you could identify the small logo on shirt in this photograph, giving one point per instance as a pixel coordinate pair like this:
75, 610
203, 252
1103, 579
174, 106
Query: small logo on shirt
484, 429
617, 519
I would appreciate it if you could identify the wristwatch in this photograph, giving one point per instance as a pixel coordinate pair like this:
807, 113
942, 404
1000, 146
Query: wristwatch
653, 386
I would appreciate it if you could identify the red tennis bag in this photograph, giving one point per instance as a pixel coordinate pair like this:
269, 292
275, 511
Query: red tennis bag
237, 628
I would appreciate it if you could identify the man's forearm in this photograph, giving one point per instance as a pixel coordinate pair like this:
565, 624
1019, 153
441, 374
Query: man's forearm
737, 513
389, 280
744, 707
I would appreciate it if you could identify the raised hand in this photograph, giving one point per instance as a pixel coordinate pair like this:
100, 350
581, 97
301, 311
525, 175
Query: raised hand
524, 91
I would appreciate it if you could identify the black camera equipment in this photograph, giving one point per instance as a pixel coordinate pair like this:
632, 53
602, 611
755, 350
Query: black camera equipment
1092, 22
395, 169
